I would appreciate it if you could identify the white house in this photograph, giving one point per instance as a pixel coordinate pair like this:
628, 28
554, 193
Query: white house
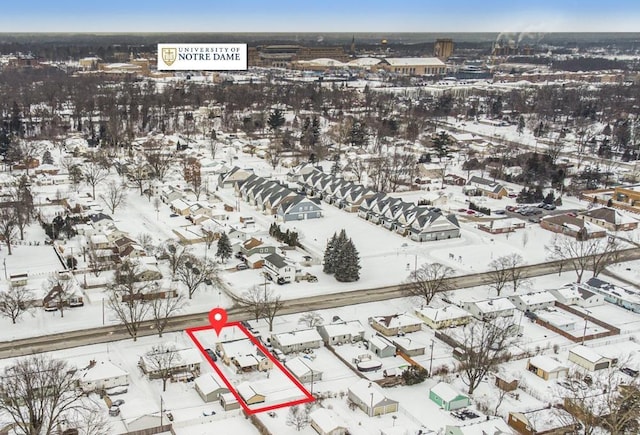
444, 317
327, 422
99, 375
279, 269
490, 308
343, 332
369, 397
304, 370
296, 341
533, 301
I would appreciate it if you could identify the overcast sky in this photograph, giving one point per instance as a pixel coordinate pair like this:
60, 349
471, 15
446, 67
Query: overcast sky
320, 16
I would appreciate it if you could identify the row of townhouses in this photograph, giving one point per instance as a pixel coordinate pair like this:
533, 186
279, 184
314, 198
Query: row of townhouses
420, 223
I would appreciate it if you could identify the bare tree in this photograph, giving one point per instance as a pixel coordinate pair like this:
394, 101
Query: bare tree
115, 196
274, 154
126, 300
37, 393
429, 280
298, 417
499, 274
192, 173
174, 252
160, 163
272, 305
15, 302
22, 203
608, 252
485, 345
311, 319
611, 403
138, 172
162, 359
8, 227
554, 149
582, 253
94, 174
193, 272
514, 268
164, 308
252, 299
58, 291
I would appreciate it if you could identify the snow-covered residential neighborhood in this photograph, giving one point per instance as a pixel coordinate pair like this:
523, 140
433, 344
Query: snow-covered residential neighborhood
401, 244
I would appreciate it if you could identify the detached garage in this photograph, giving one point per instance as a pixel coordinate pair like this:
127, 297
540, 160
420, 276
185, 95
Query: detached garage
447, 397
588, 358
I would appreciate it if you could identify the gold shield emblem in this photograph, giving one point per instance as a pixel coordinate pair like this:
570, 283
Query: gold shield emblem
169, 55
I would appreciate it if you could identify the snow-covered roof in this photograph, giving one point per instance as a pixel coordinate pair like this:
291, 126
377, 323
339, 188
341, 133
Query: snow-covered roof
495, 426
536, 298
207, 383
300, 366
397, 320
247, 391
409, 61
368, 392
101, 370
445, 391
298, 337
380, 342
610, 215
444, 313
494, 305
327, 420
586, 353
547, 363
352, 328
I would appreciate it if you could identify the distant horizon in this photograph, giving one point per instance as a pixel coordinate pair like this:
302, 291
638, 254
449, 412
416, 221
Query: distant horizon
329, 16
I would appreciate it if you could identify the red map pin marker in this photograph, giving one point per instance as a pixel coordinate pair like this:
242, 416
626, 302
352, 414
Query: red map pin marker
218, 318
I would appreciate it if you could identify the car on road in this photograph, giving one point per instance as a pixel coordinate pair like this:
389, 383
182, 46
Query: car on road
173, 215
114, 411
118, 402
499, 212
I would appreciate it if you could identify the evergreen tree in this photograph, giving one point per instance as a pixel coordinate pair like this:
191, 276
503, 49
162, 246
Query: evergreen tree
550, 198
328, 255
46, 158
348, 263
276, 120
224, 248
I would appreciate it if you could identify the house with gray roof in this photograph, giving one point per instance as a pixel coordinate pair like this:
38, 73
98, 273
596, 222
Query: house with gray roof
279, 269
487, 187
299, 207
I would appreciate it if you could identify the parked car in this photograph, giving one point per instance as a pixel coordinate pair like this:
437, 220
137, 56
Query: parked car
241, 266
512, 195
499, 212
629, 372
279, 355
118, 402
211, 354
114, 411
549, 207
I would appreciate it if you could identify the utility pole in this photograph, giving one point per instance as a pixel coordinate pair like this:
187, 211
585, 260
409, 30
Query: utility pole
431, 357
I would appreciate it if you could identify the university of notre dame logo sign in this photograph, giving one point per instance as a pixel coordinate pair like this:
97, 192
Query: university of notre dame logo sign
169, 55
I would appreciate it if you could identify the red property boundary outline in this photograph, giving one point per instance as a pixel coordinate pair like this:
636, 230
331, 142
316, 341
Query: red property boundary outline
308, 397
